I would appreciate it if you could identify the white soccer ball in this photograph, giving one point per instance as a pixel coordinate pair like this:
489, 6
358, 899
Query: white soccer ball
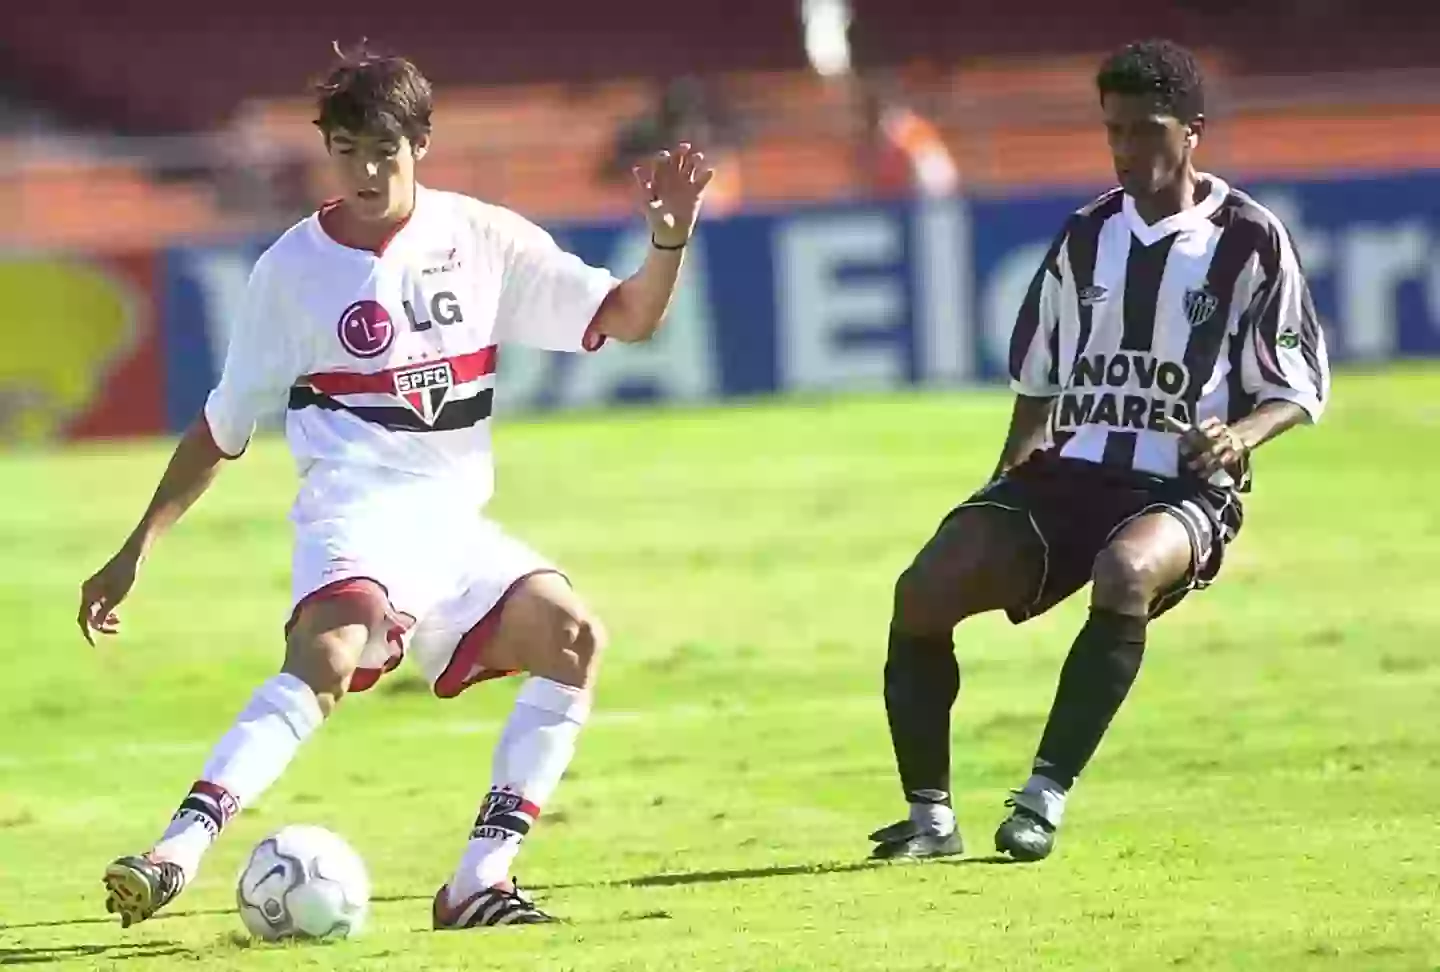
303, 882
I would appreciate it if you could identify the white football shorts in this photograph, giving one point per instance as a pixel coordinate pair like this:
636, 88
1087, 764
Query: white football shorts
446, 569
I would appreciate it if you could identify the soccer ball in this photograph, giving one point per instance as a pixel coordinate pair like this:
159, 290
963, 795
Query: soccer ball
303, 882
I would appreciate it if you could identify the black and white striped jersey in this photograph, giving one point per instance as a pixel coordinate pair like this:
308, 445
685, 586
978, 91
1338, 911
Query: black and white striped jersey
1205, 313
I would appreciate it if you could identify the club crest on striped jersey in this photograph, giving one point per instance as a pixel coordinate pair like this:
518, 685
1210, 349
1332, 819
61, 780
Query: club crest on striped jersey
1199, 306
425, 389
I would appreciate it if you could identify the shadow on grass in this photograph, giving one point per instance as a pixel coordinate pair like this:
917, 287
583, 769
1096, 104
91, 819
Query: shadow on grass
759, 873
719, 877
67, 922
123, 952
669, 880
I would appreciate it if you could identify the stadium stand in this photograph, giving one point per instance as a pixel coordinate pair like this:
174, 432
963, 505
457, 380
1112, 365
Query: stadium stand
530, 104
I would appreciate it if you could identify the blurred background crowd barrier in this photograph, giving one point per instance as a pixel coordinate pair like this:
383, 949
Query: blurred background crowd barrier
891, 174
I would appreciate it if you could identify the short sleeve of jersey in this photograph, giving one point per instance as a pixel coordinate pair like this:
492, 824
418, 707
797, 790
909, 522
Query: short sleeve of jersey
1034, 343
548, 296
260, 365
1284, 355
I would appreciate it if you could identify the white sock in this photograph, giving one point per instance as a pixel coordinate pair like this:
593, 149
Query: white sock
281, 715
534, 749
1043, 796
936, 818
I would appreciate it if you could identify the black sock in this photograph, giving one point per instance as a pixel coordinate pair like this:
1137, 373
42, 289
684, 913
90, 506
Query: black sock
1094, 681
922, 681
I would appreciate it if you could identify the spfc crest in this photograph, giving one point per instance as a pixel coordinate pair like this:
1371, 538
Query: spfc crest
425, 390
1199, 306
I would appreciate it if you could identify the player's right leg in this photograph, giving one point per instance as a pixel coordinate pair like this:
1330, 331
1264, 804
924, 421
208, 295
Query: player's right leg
987, 555
323, 647
1170, 541
541, 627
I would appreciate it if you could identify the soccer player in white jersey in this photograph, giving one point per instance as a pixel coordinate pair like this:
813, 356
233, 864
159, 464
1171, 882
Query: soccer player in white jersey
376, 323
1168, 333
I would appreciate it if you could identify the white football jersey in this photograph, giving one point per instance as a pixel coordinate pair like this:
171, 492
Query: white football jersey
387, 359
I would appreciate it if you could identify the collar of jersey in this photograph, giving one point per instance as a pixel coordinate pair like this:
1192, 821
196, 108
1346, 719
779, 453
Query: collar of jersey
420, 193
1150, 234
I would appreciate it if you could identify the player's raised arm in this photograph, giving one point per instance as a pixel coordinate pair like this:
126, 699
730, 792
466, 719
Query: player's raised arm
669, 191
1034, 357
553, 300
258, 368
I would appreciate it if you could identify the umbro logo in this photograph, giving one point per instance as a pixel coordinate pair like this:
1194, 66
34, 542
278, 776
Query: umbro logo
1091, 296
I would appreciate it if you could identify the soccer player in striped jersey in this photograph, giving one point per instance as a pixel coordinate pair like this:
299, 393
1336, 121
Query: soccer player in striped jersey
1168, 334
375, 323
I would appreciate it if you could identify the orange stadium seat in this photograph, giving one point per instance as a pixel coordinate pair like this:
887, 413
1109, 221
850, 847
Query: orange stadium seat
537, 147
1279, 143
780, 170
108, 206
1021, 157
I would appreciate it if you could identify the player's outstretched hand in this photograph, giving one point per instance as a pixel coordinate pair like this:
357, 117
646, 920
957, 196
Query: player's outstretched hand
1208, 447
670, 188
100, 595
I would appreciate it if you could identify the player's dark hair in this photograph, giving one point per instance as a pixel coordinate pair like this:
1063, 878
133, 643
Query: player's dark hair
374, 94
1160, 69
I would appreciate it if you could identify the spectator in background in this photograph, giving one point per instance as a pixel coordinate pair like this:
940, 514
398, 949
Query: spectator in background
261, 177
685, 112
902, 152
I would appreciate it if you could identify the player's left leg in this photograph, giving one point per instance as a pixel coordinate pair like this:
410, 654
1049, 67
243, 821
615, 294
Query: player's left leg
1150, 563
540, 628
328, 635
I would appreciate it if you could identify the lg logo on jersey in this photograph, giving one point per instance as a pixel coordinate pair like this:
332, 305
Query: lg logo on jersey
367, 330
444, 309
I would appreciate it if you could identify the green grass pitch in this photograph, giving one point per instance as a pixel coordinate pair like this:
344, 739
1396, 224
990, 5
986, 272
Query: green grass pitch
1267, 800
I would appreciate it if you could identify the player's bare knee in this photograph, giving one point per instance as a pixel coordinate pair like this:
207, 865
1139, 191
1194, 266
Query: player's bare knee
325, 661
931, 598
323, 648
1125, 578
918, 609
945, 586
575, 648
982, 559
548, 631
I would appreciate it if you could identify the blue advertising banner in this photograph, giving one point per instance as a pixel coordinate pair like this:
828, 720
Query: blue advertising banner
872, 296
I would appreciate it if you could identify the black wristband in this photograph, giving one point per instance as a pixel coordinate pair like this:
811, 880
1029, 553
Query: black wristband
659, 246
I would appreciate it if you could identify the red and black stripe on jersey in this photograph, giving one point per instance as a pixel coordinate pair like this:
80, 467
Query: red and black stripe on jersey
329, 391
